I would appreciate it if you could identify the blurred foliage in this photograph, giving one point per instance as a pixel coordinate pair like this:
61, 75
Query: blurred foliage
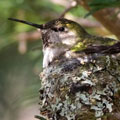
18, 81
19, 74
96, 5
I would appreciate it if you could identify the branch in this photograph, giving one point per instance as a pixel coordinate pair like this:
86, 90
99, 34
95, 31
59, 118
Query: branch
88, 23
72, 5
104, 16
23, 38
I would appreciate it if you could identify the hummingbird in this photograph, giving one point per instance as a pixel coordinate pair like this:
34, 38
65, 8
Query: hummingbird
62, 36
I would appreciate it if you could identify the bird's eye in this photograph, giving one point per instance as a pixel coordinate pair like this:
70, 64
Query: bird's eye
61, 29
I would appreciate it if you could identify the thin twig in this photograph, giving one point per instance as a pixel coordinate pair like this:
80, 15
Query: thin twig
72, 5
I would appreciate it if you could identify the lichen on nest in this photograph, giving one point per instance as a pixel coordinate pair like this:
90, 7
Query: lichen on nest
73, 91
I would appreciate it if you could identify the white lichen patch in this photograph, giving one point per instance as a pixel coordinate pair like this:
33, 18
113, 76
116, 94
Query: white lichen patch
88, 82
108, 104
97, 97
84, 99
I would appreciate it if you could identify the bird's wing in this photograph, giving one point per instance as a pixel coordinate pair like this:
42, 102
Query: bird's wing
113, 49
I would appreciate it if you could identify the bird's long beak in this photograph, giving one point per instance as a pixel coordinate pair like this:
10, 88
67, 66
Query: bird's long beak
28, 23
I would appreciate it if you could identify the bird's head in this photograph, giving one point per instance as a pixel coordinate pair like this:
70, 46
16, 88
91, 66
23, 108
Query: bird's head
68, 32
58, 36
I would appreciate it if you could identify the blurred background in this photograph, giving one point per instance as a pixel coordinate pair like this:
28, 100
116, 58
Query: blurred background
21, 52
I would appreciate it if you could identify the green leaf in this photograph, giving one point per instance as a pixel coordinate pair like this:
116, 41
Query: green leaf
96, 5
